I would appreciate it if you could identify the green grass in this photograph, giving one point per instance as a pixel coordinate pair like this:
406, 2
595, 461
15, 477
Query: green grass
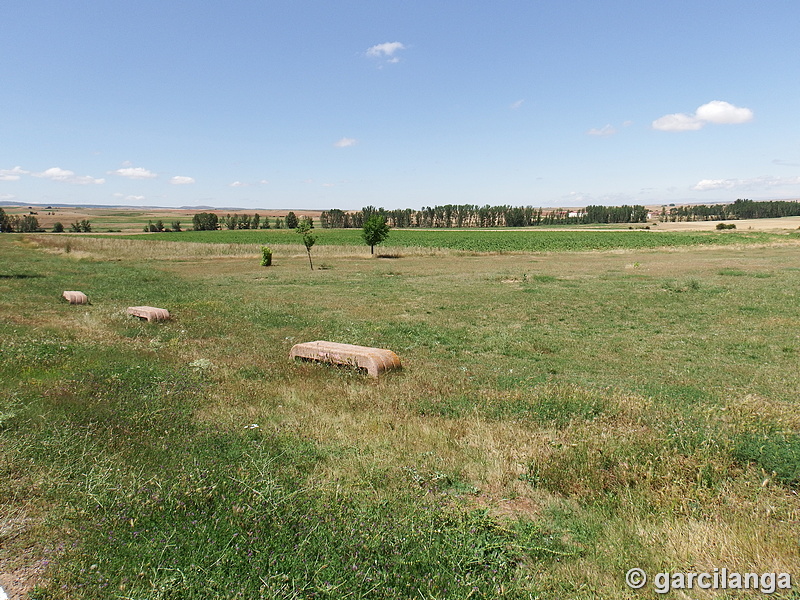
559, 419
478, 241
777, 453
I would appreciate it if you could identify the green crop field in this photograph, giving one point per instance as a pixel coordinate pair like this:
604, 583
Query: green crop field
561, 416
479, 241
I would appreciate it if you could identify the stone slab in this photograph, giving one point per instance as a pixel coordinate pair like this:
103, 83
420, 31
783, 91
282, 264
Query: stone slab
149, 313
75, 297
374, 360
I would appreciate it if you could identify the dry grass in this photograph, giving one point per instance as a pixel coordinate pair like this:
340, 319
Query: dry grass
100, 248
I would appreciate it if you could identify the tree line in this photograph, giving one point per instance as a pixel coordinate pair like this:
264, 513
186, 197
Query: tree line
206, 221
741, 209
472, 215
18, 223
30, 224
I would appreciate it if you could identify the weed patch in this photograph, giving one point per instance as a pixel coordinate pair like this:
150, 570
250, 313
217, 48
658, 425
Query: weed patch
778, 454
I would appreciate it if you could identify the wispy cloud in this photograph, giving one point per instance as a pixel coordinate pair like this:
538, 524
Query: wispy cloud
181, 180
766, 181
346, 142
134, 198
12, 174
387, 51
237, 184
66, 176
516, 105
604, 131
777, 161
134, 173
716, 111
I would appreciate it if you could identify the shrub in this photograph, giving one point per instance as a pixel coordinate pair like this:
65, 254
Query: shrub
721, 226
81, 227
58, 227
266, 256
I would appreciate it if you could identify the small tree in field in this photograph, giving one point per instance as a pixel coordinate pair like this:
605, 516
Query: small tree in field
309, 239
291, 221
375, 231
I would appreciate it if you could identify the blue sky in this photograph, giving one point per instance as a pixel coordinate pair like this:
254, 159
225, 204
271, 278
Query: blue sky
300, 104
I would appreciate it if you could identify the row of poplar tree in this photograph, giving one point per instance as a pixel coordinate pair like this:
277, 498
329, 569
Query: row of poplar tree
471, 215
741, 209
206, 221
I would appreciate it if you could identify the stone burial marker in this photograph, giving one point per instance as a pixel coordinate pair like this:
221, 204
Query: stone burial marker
75, 297
149, 313
373, 360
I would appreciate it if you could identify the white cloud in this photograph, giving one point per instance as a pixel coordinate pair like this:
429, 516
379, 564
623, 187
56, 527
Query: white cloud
237, 184
12, 174
606, 130
723, 113
677, 122
385, 50
346, 142
134, 198
705, 185
264, 181
134, 173
7, 197
716, 111
66, 176
516, 105
328, 185
765, 181
181, 180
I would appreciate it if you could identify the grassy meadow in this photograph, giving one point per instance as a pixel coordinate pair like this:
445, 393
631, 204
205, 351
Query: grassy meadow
561, 417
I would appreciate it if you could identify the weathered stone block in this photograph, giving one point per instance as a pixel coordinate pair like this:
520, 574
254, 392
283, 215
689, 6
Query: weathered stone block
373, 360
149, 313
74, 297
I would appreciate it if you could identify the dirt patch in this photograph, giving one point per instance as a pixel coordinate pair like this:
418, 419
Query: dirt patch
21, 563
20, 575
